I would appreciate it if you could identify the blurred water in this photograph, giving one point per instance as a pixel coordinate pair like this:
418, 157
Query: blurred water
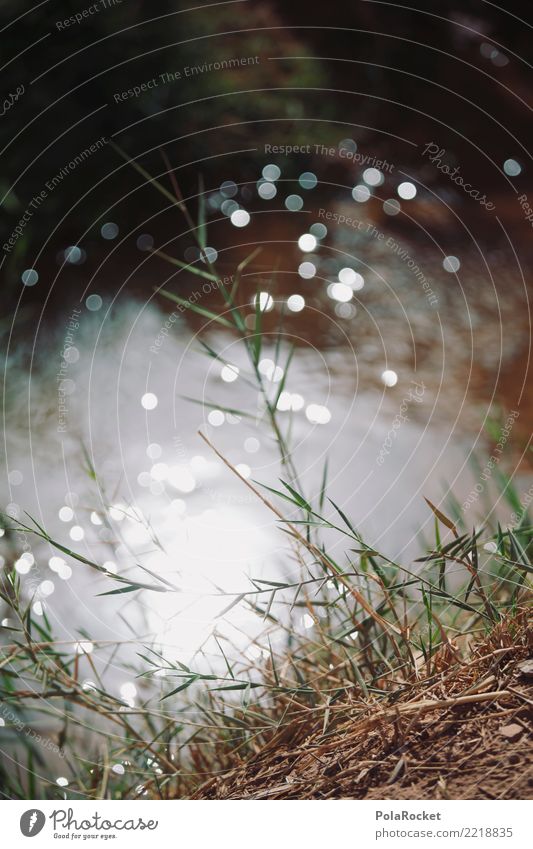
390, 387
174, 507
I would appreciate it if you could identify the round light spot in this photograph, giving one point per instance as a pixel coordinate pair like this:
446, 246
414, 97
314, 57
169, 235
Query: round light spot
93, 303
209, 255
266, 301
360, 193
340, 292
297, 402
499, 59
229, 189
71, 354
317, 414
306, 270
244, 470
512, 168
345, 310
250, 322
373, 177
228, 207
15, 477
294, 203
391, 206
66, 514
267, 190
65, 572
307, 242
111, 567
266, 366
84, 647
62, 782
46, 588
295, 303
271, 173
37, 608
149, 401
229, 373
76, 533
145, 242
251, 445
29, 277
348, 144
199, 464
308, 180
73, 254
319, 230
192, 254
117, 512
347, 276
128, 690
109, 231
270, 370
22, 566
56, 563
389, 377
154, 451
240, 218
66, 386
284, 402
351, 278
406, 190
216, 418
159, 471
490, 547
451, 264
118, 769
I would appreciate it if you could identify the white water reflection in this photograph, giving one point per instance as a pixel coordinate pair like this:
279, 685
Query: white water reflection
163, 500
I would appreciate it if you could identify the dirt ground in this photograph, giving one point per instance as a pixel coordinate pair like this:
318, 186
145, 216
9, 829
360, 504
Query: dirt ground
463, 733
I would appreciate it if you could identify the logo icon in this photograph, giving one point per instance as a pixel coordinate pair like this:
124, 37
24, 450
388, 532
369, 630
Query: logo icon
32, 822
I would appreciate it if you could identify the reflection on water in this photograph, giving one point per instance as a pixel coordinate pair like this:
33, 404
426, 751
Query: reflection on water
399, 356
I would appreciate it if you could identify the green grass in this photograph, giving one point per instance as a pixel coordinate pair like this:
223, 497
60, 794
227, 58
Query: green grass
377, 625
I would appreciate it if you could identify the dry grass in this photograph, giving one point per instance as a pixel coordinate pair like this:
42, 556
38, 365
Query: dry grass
460, 734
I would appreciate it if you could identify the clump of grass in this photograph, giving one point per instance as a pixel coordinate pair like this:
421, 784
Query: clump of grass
379, 631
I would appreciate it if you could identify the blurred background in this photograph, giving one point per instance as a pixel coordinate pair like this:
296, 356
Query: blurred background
386, 80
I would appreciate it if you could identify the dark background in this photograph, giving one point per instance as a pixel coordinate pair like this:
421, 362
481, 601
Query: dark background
381, 72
